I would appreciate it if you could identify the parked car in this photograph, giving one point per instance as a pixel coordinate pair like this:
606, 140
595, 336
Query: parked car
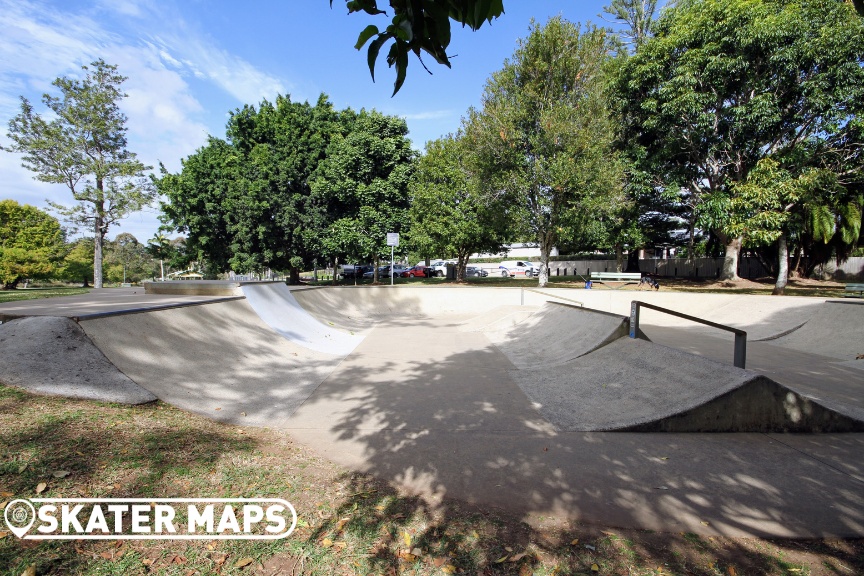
517, 268
475, 271
419, 271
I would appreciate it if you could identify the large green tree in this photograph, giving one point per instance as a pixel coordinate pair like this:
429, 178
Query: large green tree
724, 84
31, 243
451, 211
544, 134
362, 187
82, 144
245, 202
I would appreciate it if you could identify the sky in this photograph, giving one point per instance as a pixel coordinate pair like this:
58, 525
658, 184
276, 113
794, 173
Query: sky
189, 63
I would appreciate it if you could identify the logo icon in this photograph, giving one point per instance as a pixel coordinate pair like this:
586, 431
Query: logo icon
19, 515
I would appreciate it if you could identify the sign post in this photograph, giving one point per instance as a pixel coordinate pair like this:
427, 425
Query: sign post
392, 241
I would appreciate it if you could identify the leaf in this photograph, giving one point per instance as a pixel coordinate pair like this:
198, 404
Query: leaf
449, 568
407, 556
501, 559
29, 571
732, 572
367, 33
327, 543
518, 557
40, 488
3, 535
372, 54
574, 542
243, 562
60, 473
416, 552
595, 568
3, 505
107, 555
704, 523
22, 467
341, 524
526, 570
6, 494
406, 537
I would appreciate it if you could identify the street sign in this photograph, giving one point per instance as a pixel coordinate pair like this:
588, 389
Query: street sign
392, 239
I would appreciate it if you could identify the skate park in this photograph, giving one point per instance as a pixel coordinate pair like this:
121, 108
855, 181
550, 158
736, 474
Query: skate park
533, 401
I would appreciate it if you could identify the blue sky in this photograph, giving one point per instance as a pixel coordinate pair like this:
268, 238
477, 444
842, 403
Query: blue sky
190, 62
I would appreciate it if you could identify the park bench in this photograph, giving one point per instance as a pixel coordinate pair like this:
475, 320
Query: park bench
854, 291
622, 278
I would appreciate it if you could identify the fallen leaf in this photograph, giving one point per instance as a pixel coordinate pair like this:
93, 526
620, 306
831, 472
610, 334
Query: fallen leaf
6, 494
29, 571
242, 413
416, 552
341, 545
664, 458
3, 535
243, 562
380, 507
79, 453
178, 560
107, 555
439, 561
595, 568
3, 505
407, 556
221, 559
705, 523
501, 559
508, 548
526, 570
60, 473
220, 409
147, 561
574, 542
517, 557
41, 487
406, 537
341, 524
732, 571
22, 467
327, 543
449, 568
211, 547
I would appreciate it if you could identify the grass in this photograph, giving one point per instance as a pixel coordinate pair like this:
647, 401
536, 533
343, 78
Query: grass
34, 293
349, 523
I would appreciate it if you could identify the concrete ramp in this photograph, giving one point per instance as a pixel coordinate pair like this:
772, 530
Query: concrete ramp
278, 308
53, 356
219, 360
554, 334
635, 385
836, 330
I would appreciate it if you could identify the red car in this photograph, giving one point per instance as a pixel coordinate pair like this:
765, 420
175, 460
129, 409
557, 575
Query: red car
418, 272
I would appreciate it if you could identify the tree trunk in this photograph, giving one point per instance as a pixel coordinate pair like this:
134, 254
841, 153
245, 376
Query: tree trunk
86, 283
546, 241
461, 264
796, 271
730, 260
293, 276
99, 234
619, 258
335, 271
162, 268
783, 267
632, 261
375, 264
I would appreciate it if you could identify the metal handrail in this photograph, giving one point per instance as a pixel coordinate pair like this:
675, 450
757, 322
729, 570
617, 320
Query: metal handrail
740, 354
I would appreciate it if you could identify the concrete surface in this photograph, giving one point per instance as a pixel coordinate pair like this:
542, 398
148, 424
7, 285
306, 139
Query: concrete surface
836, 330
429, 403
52, 355
274, 304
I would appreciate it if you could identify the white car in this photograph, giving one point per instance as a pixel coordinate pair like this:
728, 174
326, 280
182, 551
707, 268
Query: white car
518, 269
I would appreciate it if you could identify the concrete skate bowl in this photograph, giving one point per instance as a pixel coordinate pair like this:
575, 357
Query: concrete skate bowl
443, 397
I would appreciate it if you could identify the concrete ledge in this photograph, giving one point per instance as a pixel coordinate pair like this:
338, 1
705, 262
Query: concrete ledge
194, 287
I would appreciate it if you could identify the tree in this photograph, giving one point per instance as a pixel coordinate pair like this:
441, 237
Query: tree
450, 211
245, 203
77, 264
126, 259
362, 187
726, 83
636, 15
84, 147
544, 135
419, 26
160, 248
31, 243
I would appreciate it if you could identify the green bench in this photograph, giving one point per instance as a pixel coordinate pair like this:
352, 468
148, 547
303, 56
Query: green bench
854, 291
623, 278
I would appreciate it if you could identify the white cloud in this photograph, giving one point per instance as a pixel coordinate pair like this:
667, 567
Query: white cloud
429, 115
